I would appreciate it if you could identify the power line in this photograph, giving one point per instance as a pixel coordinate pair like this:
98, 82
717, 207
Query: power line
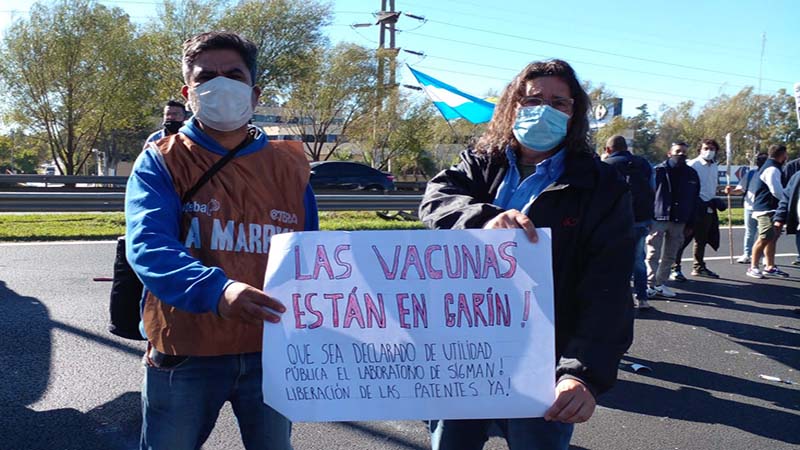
614, 85
526, 53
572, 22
602, 52
505, 20
715, 83
424, 66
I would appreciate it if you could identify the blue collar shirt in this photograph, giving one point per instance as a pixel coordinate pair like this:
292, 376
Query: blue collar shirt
514, 193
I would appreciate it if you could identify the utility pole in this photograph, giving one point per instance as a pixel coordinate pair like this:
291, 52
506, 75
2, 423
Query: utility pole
387, 59
757, 143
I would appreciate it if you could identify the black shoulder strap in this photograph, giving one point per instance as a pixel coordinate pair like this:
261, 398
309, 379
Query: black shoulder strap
214, 169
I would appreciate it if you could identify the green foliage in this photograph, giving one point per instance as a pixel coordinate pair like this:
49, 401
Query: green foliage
288, 33
410, 143
335, 95
74, 69
175, 22
58, 227
754, 121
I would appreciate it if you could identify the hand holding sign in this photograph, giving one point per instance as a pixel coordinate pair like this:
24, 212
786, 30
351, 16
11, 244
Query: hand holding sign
246, 303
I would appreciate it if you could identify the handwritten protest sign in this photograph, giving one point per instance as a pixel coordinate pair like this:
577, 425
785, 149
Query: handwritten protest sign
412, 324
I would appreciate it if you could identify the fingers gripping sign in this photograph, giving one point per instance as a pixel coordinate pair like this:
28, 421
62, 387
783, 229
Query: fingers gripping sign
574, 403
243, 302
514, 219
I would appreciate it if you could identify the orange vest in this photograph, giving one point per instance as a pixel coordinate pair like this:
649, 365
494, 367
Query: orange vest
227, 224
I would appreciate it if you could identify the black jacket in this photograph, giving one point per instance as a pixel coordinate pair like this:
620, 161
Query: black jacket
676, 201
787, 208
589, 212
637, 172
789, 169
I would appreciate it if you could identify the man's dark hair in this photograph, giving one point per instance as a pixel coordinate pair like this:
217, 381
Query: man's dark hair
761, 158
176, 104
219, 40
617, 143
776, 150
500, 134
710, 143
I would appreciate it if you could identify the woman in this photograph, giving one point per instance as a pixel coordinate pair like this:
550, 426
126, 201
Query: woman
534, 168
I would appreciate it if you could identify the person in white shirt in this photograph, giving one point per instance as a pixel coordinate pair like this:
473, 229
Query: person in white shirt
706, 224
768, 191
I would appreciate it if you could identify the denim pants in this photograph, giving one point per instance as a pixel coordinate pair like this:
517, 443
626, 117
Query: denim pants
180, 404
521, 434
640, 231
750, 231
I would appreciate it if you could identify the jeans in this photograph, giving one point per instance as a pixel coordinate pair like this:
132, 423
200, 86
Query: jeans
749, 232
640, 231
180, 404
521, 434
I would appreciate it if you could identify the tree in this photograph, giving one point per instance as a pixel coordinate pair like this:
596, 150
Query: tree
288, 34
780, 122
411, 142
754, 121
176, 21
676, 124
332, 97
74, 70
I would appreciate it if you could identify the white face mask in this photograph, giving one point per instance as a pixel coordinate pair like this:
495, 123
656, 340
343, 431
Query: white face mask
222, 104
708, 155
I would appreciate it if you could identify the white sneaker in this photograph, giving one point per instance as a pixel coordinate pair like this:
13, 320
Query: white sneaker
651, 292
744, 259
754, 273
642, 304
663, 291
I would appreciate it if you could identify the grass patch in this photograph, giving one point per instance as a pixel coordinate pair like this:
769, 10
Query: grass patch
61, 227
107, 226
737, 217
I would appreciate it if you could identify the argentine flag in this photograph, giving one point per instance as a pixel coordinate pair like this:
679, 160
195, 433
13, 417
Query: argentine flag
453, 103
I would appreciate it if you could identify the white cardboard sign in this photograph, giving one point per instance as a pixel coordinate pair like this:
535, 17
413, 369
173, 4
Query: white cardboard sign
390, 325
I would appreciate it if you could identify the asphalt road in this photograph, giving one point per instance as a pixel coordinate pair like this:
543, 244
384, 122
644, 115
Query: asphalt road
68, 384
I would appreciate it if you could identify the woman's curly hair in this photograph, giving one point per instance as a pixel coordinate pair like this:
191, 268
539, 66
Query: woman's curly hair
499, 135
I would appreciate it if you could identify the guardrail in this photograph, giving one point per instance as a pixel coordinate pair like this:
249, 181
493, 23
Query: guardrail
114, 201
80, 193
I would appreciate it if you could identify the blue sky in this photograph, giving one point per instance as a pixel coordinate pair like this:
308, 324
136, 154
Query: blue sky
656, 52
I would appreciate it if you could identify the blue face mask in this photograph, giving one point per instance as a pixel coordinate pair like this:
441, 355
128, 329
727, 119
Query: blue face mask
540, 128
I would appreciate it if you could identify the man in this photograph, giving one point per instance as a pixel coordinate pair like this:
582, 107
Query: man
637, 173
533, 168
789, 169
743, 188
677, 187
706, 223
768, 191
202, 261
788, 211
174, 116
